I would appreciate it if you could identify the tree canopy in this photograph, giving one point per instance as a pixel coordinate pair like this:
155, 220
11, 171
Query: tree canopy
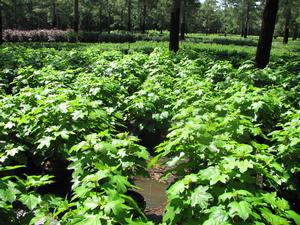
207, 16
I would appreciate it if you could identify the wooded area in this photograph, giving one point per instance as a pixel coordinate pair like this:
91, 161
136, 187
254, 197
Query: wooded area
211, 16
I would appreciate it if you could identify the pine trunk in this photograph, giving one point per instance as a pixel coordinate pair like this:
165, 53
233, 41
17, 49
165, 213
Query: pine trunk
242, 29
129, 16
1, 35
175, 24
108, 16
144, 17
295, 33
15, 14
30, 9
247, 20
54, 16
225, 18
100, 15
266, 35
182, 18
76, 16
287, 26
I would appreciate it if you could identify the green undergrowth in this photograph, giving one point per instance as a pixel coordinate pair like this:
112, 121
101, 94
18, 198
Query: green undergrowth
232, 134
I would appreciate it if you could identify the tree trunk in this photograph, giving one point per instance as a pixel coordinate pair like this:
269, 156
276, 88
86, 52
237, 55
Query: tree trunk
108, 21
129, 16
295, 34
162, 23
54, 15
144, 17
182, 26
174, 29
225, 18
287, 24
266, 35
100, 15
15, 14
76, 16
30, 9
242, 29
1, 36
108, 16
247, 20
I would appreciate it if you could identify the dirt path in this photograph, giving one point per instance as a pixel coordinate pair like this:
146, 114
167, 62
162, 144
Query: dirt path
154, 191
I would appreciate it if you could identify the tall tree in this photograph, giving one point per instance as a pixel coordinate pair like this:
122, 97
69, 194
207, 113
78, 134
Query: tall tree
30, 9
296, 18
225, 23
266, 35
174, 26
182, 20
161, 14
1, 38
246, 26
144, 14
76, 16
54, 15
108, 10
129, 5
295, 33
15, 14
100, 15
209, 14
287, 11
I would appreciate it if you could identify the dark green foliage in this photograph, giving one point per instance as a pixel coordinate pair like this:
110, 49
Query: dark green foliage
231, 135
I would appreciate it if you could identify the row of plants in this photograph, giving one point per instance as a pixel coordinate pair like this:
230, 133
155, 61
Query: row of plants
55, 35
231, 136
63, 110
233, 145
83, 36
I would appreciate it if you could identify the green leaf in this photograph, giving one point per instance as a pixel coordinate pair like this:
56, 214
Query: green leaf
121, 183
78, 114
65, 134
176, 189
293, 215
92, 203
8, 168
244, 165
9, 125
242, 209
218, 216
171, 212
87, 220
37, 181
104, 147
63, 107
131, 222
175, 159
44, 142
257, 105
226, 196
214, 175
201, 197
273, 219
142, 153
282, 204
243, 150
8, 192
234, 194
31, 200
115, 204
133, 204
